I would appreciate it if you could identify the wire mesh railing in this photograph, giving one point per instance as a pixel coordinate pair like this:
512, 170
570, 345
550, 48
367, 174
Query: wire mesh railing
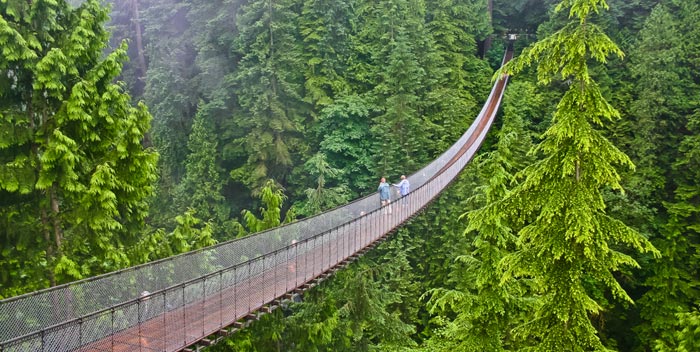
173, 303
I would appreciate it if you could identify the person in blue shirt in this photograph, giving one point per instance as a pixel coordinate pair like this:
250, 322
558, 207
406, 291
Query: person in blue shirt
383, 190
404, 187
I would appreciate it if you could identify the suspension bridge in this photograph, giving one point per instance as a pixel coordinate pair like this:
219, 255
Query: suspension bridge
193, 299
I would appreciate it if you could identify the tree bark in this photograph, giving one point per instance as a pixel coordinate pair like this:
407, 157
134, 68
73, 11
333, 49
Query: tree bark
141, 56
489, 40
56, 220
50, 257
50, 253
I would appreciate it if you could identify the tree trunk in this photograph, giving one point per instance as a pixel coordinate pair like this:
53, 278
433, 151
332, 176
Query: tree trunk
489, 40
141, 56
50, 257
56, 220
50, 253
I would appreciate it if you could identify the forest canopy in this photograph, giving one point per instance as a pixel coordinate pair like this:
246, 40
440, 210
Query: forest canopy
133, 130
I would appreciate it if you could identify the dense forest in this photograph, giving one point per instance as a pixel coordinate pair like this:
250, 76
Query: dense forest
133, 130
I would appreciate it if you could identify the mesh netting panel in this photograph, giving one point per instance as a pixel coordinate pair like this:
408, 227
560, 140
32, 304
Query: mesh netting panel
30, 344
96, 327
65, 338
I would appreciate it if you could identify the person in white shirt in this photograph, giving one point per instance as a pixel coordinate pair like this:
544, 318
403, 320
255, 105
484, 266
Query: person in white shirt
404, 187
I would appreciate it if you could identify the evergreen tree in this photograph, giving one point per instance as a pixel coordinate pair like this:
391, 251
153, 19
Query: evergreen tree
126, 23
484, 307
201, 188
272, 197
326, 28
268, 87
685, 338
400, 131
660, 88
396, 76
520, 16
662, 99
344, 131
567, 244
456, 76
674, 287
73, 172
171, 93
190, 233
674, 284
323, 197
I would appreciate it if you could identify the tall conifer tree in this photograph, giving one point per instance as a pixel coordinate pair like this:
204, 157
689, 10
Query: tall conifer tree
663, 89
200, 190
568, 244
171, 94
73, 172
397, 76
268, 84
326, 27
455, 75
660, 85
669, 307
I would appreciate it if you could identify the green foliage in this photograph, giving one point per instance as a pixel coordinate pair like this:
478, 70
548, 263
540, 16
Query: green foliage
484, 307
326, 26
400, 132
659, 73
190, 233
323, 198
656, 68
566, 244
171, 92
74, 173
520, 16
685, 338
202, 185
268, 90
272, 197
344, 131
455, 76
398, 75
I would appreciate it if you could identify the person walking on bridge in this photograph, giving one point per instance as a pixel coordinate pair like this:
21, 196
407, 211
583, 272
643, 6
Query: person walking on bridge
404, 187
383, 190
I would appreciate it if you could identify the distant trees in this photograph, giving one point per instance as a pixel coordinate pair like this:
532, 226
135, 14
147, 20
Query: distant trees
399, 77
74, 176
454, 79
200, 189
668, 89
268, 84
